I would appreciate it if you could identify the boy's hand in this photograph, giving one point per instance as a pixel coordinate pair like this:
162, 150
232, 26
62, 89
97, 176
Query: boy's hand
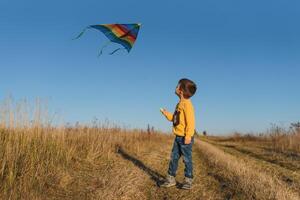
187, 140
162, 110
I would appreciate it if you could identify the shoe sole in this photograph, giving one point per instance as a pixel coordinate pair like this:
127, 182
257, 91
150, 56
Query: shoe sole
167, 186
186, 188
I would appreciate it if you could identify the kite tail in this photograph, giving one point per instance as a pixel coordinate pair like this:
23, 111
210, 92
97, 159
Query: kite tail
117, 50
101, 51
81, 33
104, 46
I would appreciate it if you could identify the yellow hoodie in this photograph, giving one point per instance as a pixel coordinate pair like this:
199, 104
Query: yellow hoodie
183, 118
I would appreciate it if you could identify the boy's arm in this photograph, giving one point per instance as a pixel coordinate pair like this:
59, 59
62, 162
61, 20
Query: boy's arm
190, 121
168, 115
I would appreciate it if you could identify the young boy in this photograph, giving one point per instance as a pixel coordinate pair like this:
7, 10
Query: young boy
183, 127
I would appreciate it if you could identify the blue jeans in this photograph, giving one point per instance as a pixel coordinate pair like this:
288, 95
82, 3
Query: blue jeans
185, 150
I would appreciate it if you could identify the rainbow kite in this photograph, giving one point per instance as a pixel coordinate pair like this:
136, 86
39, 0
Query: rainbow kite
123, 34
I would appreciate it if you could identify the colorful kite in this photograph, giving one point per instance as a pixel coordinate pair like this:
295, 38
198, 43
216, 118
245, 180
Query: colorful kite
123, 34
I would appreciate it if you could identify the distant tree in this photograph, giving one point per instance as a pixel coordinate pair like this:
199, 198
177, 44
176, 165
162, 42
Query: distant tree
150, 129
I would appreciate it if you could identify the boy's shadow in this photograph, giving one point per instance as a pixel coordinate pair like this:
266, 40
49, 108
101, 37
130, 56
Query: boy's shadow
155, 176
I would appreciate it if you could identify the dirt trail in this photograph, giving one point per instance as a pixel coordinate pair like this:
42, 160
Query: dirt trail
138, 174
284, 167
246, 175
207, 185
290, 161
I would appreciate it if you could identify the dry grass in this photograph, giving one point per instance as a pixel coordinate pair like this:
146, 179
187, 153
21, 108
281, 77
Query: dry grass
86, 163
39, 160
64, 163
276, 138
243, 176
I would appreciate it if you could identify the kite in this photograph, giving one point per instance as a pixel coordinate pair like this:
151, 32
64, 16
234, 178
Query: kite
123, 34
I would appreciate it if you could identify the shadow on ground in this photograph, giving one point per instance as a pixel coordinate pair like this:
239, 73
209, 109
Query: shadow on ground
155, 176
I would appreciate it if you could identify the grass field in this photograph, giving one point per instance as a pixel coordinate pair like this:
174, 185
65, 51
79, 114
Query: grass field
40, 161
112, 163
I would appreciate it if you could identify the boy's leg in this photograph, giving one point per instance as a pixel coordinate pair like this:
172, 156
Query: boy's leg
187, 159
175, 155
173, 165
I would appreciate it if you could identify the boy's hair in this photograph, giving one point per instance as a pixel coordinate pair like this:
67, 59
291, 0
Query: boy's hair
188, 87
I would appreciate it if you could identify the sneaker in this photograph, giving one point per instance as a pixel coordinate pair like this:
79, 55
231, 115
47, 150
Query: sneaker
187, 184
169, 182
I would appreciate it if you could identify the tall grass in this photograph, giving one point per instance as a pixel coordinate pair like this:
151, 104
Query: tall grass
277, 138
39, 160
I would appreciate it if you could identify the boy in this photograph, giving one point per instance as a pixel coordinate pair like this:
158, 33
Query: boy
183, 127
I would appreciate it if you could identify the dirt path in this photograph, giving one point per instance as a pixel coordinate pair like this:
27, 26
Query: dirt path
290, 161
276, 164
207, 185
137, 173
247, 175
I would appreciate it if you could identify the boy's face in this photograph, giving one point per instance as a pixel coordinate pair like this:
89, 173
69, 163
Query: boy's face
178, 91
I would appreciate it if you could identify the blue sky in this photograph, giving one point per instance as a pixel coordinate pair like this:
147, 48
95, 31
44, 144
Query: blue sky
243, 55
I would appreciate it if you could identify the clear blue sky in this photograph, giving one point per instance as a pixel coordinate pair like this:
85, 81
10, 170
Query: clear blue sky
244, 56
